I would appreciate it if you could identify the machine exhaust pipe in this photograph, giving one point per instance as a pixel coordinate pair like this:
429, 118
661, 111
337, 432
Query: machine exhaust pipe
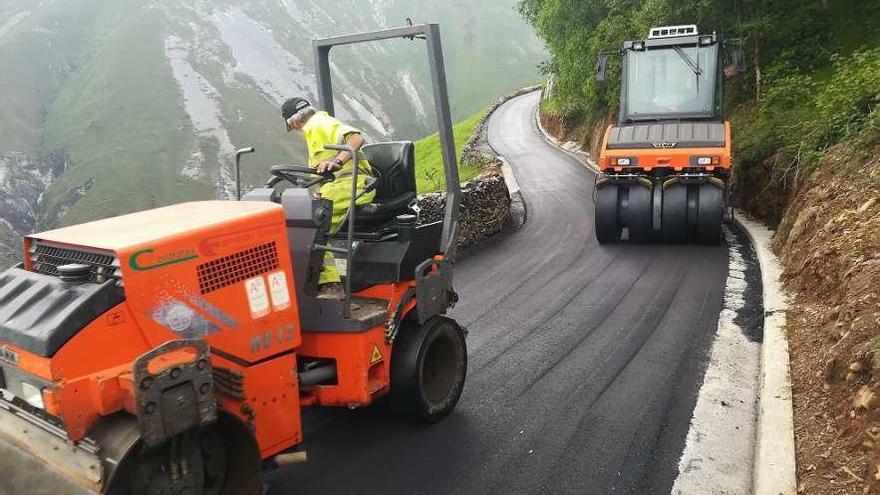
238, 154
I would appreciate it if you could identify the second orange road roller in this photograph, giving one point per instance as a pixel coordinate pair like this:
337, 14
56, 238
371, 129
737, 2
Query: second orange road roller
665, 164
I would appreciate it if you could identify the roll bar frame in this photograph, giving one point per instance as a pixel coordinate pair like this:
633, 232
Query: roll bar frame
431, 34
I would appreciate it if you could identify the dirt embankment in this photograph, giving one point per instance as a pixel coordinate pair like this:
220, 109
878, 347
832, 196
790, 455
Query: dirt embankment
588, 135
829, 243
762, 191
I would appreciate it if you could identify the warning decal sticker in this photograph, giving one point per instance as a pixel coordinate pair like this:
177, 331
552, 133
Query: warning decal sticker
278, 290
258, 298
376, 356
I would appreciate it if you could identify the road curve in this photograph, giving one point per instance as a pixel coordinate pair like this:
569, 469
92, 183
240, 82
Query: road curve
585, 360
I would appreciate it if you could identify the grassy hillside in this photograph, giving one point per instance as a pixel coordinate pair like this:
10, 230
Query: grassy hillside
429, 162
118, 119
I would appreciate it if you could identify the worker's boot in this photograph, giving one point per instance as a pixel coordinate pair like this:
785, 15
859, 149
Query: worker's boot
332, 290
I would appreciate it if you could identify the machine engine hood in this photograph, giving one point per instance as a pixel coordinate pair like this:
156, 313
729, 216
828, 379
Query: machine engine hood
667, 135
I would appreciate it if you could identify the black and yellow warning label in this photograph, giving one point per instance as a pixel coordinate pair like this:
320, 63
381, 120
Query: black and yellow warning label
376, 356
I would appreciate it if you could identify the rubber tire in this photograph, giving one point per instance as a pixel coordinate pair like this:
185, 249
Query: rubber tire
606, 222
674, 228
637, 215
710, 214
420, 352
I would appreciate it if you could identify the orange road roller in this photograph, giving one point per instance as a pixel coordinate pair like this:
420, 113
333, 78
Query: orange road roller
665, 164
170, 351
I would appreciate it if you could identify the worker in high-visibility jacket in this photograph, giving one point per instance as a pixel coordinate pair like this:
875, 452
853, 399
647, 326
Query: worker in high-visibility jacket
320, 129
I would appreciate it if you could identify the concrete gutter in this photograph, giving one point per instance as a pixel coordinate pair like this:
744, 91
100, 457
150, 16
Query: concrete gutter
774, 464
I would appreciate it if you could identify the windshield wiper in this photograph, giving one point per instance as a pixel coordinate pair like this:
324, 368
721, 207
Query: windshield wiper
693, 65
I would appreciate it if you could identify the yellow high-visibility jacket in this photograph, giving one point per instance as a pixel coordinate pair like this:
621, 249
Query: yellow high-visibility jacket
322, 129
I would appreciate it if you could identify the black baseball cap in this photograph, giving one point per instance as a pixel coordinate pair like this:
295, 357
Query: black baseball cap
291, 106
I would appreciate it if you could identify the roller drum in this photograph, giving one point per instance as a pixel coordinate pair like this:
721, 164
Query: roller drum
710, 214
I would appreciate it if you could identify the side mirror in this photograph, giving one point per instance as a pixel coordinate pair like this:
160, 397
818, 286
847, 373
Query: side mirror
739, 59
735, 56
601, 69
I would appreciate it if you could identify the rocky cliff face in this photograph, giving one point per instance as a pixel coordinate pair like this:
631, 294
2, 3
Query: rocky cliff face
23, 179
828, 241
121, 105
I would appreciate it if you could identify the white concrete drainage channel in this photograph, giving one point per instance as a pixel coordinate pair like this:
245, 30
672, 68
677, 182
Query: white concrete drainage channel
733, 446
722, 439
720, 443
741, 438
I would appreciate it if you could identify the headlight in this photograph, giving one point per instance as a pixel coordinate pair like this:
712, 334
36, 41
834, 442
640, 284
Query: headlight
705, 160
32, 394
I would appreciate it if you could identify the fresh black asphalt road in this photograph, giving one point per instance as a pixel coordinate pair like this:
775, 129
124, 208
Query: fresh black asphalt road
585, 360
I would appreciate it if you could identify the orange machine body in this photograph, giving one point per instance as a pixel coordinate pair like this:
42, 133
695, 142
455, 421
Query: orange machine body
674, 158
219, 271
363, 360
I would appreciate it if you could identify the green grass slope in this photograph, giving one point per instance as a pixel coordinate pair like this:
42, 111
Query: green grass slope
37, 52
429, 161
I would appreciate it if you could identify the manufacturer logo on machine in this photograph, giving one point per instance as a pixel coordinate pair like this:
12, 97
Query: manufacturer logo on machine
142, 261
8, 355
664, 144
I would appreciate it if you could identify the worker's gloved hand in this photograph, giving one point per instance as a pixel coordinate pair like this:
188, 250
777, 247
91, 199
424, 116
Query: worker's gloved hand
327, 167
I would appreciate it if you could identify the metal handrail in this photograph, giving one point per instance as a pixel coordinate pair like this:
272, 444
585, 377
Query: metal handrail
349, 255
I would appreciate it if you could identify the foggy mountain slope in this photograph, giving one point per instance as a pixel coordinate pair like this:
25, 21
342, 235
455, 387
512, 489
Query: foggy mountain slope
115, 106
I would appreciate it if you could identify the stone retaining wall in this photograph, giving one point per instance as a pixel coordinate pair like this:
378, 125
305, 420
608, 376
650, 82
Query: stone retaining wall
486, 202
485, 207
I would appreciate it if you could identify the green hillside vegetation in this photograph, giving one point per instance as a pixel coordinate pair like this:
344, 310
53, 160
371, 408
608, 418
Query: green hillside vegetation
118, 118
813, 77
429, 162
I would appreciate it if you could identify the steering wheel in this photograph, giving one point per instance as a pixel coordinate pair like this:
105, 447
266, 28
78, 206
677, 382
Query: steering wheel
298, 175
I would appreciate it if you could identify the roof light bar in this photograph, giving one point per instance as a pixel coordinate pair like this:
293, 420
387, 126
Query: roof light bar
672, 31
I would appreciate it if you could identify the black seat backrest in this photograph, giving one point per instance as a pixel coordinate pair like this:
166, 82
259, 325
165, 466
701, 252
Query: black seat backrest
394, 163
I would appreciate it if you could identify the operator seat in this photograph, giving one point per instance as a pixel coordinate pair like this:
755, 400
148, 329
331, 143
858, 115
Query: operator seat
394, 167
